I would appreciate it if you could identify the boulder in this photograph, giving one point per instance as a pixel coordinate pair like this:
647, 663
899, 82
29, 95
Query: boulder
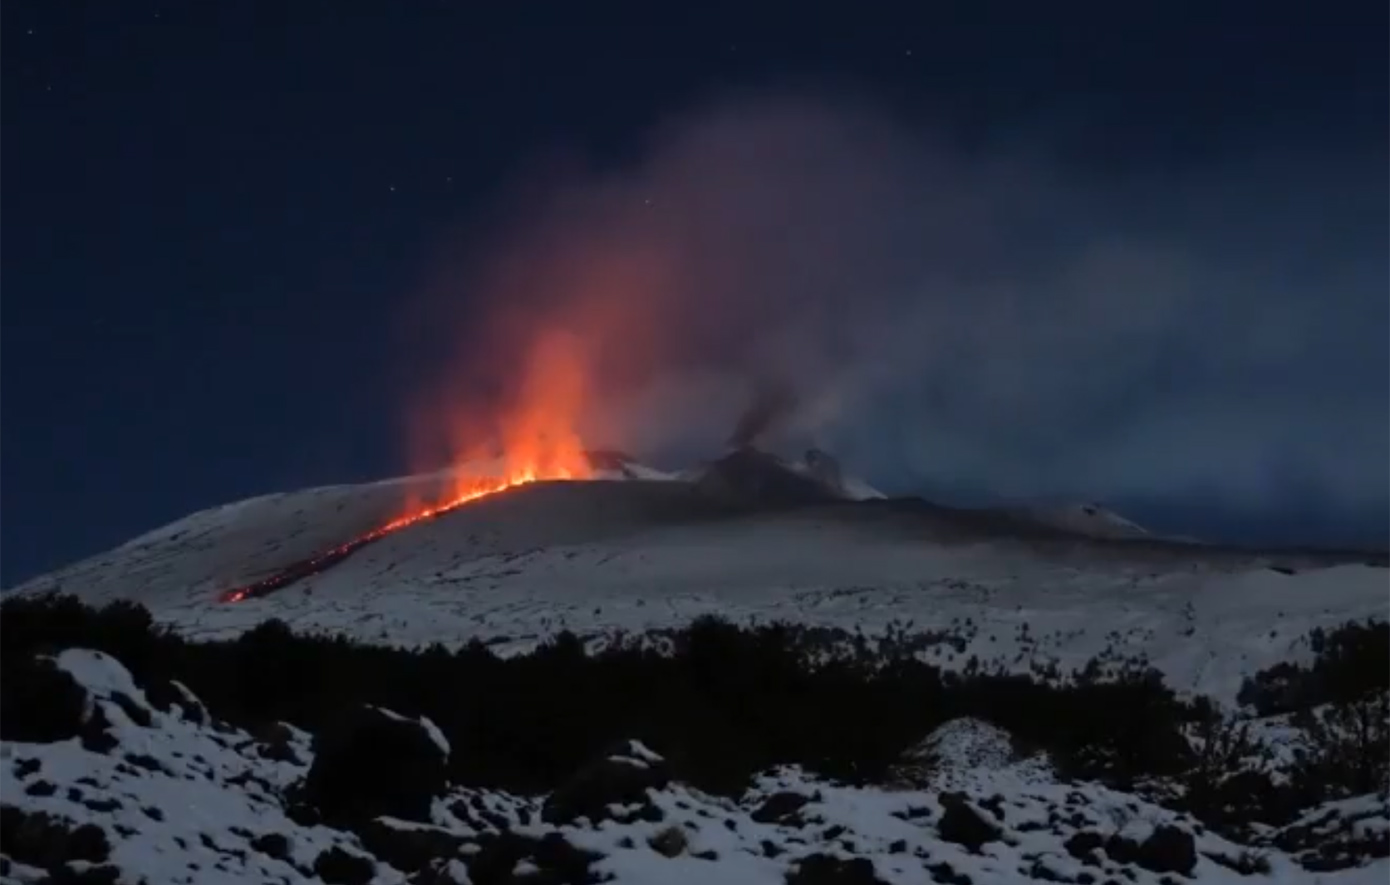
173, 697
669, 842
275, 741
41, 703
962, 824
824, 869
409, 847
1168, 849
621, 776
276, 845
47, 841
553, 859
781, 808
374, 763
337, 866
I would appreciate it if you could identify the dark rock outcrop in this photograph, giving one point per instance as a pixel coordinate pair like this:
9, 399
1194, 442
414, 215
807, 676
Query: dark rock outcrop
962, 824
41, 703
669, 842
275, 741
779, 808
622, 776
373, 763
557, 862
172, 696
823, 869
276, 845
336, 866
1168, 849
49, 842
409, 849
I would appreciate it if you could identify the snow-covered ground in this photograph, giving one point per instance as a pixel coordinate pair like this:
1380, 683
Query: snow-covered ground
593, 557
174, 797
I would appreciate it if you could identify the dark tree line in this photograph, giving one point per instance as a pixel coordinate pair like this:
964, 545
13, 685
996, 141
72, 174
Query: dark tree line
724, 704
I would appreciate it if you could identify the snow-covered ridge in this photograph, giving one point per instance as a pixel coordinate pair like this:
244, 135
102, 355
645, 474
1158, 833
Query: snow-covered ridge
641, 549
642, 554
165, 793
1087, 519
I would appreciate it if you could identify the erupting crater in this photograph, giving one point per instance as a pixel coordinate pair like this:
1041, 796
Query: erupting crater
539, 442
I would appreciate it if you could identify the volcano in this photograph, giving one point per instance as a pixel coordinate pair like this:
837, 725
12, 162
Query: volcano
749, 536
745, 477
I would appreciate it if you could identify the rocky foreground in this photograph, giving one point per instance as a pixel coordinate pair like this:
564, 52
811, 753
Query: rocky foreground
131, 784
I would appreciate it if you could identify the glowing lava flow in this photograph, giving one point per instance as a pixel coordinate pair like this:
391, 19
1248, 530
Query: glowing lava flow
538, 440
329, 558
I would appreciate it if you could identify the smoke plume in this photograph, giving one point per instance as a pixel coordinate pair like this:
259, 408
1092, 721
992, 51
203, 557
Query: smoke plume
773, 403
996, 318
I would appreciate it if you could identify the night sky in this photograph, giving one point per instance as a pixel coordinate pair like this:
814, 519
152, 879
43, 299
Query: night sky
241, 238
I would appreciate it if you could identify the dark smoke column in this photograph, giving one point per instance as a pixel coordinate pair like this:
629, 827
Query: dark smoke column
773, 403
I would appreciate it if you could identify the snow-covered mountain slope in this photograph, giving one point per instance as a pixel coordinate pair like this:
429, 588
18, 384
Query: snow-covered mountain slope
1088, 519
128, 790
635, 555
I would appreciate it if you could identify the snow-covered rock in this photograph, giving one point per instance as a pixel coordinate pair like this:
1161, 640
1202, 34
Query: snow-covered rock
965, 751
179, 801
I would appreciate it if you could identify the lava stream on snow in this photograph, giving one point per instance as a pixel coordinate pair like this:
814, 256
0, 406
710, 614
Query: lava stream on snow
331, 557
537, 433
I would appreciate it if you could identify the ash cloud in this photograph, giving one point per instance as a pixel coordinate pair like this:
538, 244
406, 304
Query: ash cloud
997, 319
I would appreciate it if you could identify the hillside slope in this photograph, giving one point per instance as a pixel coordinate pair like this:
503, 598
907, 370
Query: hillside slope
647, 555
134, 785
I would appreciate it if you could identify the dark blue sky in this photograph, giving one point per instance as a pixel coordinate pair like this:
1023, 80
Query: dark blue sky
218, 213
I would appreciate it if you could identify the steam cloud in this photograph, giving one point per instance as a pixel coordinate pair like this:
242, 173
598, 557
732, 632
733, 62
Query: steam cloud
989, 318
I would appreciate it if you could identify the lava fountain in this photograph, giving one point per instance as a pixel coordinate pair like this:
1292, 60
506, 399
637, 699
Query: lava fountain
538, 440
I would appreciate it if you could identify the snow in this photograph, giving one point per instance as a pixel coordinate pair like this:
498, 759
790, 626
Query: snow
193, 793
436, 735
101, 674
192, 811
636, 551
851, 487
954, 756
431, 730
595, 557
641, 751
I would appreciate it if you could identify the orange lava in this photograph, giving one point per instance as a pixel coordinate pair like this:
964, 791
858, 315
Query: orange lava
538, 441
537, 434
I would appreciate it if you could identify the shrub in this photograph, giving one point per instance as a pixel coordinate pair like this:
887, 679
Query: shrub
1349, 663
1346, 748
725, 703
